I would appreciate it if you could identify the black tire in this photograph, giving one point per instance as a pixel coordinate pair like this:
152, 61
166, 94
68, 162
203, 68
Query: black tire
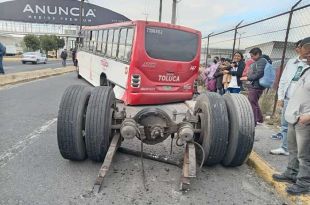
213, 116
78, 74
24, 62
241, 130
98, 122
71, 122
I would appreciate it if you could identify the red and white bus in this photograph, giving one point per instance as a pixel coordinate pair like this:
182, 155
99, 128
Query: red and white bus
145, 62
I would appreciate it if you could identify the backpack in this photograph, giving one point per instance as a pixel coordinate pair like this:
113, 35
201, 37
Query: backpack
269, 76
63, 54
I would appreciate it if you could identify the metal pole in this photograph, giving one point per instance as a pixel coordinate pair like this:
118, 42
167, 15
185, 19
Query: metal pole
235, 36
174, 12
81, 20
208, 42
284, 53
160, 9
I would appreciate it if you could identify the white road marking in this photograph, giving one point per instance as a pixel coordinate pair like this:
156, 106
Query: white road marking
27, 140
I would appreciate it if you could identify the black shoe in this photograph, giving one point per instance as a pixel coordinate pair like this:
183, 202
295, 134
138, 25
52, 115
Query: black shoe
283, 178
297, 190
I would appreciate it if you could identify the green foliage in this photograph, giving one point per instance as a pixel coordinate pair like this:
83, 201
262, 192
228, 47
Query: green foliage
61, 42
32, 42
48, 43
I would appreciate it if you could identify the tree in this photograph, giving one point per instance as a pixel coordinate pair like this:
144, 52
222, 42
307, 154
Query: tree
32, 42
48, 43
60, 43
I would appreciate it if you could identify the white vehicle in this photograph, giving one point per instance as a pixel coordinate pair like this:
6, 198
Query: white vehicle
34, 57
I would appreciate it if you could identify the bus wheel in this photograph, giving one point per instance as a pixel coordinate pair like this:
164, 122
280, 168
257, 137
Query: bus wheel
98, 122
213, 122
71, 122
241, 130
77, 73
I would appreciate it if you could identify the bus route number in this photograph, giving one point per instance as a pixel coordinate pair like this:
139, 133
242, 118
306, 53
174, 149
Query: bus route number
154, 31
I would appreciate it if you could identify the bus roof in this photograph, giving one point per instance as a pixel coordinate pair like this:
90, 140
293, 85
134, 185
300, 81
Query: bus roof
151, 23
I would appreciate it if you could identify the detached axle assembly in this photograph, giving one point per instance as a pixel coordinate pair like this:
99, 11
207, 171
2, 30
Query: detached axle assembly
91, 124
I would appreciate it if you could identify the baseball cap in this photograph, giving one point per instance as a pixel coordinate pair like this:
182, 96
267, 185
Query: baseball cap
305, 41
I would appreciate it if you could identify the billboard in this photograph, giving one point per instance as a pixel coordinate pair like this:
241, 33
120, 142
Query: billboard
65, 12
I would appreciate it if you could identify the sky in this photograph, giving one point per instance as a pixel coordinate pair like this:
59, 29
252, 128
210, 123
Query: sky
219, 15
204, 15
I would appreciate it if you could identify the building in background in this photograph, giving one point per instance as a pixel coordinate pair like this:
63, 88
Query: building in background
274, 49
49, 17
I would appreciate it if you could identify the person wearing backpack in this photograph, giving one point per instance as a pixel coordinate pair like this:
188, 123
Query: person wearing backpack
2, 53
285, 90
297, 115
64, 56
255, 73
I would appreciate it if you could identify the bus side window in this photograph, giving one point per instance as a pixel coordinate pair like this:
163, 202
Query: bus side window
109, 43
115, 43
94, 41
122, 42
86, 40
99, 41
90, 47
128, 47
104, 42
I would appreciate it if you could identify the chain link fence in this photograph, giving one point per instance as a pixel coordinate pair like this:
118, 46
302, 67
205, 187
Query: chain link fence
272, 35
275, 36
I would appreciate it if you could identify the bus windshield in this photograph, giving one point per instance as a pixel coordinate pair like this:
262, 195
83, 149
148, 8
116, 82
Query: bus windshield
170, 44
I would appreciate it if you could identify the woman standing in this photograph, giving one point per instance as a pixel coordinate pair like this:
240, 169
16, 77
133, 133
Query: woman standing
236, 73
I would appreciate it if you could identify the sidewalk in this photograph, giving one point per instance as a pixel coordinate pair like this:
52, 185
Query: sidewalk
263, 144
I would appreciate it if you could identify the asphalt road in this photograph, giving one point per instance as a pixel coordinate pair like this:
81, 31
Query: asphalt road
17, 66
32, 170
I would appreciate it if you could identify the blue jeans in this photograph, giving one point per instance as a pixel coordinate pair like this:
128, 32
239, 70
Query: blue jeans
284, 126
233, 90
1, 66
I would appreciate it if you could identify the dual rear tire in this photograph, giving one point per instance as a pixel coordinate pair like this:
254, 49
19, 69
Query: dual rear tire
84, 122
227, 128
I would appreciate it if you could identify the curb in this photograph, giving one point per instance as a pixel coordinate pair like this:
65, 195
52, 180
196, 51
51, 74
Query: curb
20, 59
15, 78
264, 170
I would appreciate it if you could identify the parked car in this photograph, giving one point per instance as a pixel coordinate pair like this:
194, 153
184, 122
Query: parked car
34, 58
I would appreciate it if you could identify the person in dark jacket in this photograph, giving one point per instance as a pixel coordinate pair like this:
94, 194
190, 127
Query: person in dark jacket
219, 76
236, 73
2, 53
64, 56
255, 90
74, 60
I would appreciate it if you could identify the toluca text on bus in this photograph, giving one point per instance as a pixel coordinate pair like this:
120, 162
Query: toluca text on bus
145, 62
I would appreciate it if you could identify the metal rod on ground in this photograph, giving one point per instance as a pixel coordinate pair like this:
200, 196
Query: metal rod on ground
155, 157
235, 36
107, 162
284, 52
160, 9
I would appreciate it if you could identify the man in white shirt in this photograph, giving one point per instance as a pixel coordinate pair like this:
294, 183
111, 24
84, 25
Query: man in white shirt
297, 115
286, 88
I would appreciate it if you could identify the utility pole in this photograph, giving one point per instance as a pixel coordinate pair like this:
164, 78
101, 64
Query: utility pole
81, 20
174, 12
160, 9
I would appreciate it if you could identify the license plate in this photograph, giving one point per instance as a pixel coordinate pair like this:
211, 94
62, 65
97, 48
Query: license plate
167, 87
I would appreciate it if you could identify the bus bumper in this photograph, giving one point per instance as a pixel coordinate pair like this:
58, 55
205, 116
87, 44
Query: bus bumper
156, 98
